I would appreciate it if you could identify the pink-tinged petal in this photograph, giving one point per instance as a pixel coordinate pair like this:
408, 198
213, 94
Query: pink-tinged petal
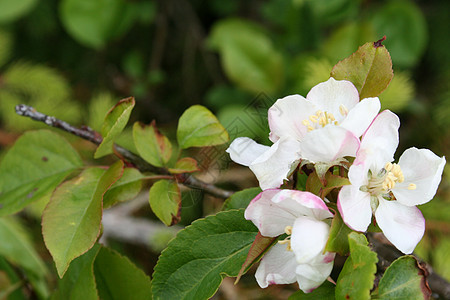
271, 218
381, 139
422, 168
308, 238
286, 116
276, 267
273, 166
309, 277
359, 170
402, 225
331, 94
244, 151
306, 204
328, 144
361, 116
354, 207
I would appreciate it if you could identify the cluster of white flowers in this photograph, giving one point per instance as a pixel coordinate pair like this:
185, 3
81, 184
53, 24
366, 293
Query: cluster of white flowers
324, 128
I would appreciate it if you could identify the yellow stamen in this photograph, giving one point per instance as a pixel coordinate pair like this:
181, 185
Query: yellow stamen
343, 110
412, 186
313, 118
306, 123
288, 230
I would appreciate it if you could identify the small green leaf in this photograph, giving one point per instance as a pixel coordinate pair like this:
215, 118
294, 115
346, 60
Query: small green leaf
115, 121
33, 167
338, 239
404, 279
241, 199
260, 245
152, 146
248, 56
369, 69
194, 263
12, 10
124, 189
17, 247
323, 292
79, 282
198, 127
358, 274
118, 278
165, 201
185, 165
72, 219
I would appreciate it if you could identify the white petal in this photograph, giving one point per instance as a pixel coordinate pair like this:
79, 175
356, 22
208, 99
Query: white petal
286, 116
331, 94
328, 144
271, 218
359, 170
308, 238
276, 267
361, 116
354, 207
273, 166
402, 225
310, 277
244, 150
303, 204
381, 139
422, 168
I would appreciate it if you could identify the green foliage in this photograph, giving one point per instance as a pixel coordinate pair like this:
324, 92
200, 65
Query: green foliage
338, 241
71, 222
248, 55
115, 121
190, 268
12, 10
399, 92
6, 44
356, 278
323, 292
404, 279
151, 144
165, 201
34, 166
369, 69
198, 127
185, 165
126, 188
241, 199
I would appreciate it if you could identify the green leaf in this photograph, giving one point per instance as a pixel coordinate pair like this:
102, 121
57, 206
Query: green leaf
12, 10
260, 245
10, 282
115, 121
369, 69
194, 263
72, 219
6, 46
124, 189
17, 247
406, 28
152, 146
118, 278
404, 279
241, 199
248, 56
79, 281
165, 201
198, 127
323, 292
338, 239
94, 23
358, 274
33, 167
185, 165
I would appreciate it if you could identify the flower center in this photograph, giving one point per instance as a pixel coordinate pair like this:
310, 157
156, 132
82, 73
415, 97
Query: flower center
287, 240
320, 119
383, 182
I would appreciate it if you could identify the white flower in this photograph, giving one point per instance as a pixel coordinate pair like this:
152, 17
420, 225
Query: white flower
388, 190
301, 256
323, 127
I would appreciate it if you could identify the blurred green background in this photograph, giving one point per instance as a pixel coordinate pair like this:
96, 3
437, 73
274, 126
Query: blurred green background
74, 59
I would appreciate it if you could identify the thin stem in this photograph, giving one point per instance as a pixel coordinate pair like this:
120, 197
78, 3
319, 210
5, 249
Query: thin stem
91, 135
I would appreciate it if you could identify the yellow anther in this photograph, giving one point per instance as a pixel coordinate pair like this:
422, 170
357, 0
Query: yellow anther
313, 118
388, 167
310, 128
288, 230
306, 123
331, 117
343, 110
412, 186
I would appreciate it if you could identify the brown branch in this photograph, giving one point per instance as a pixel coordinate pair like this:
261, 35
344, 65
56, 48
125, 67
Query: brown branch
95, 137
